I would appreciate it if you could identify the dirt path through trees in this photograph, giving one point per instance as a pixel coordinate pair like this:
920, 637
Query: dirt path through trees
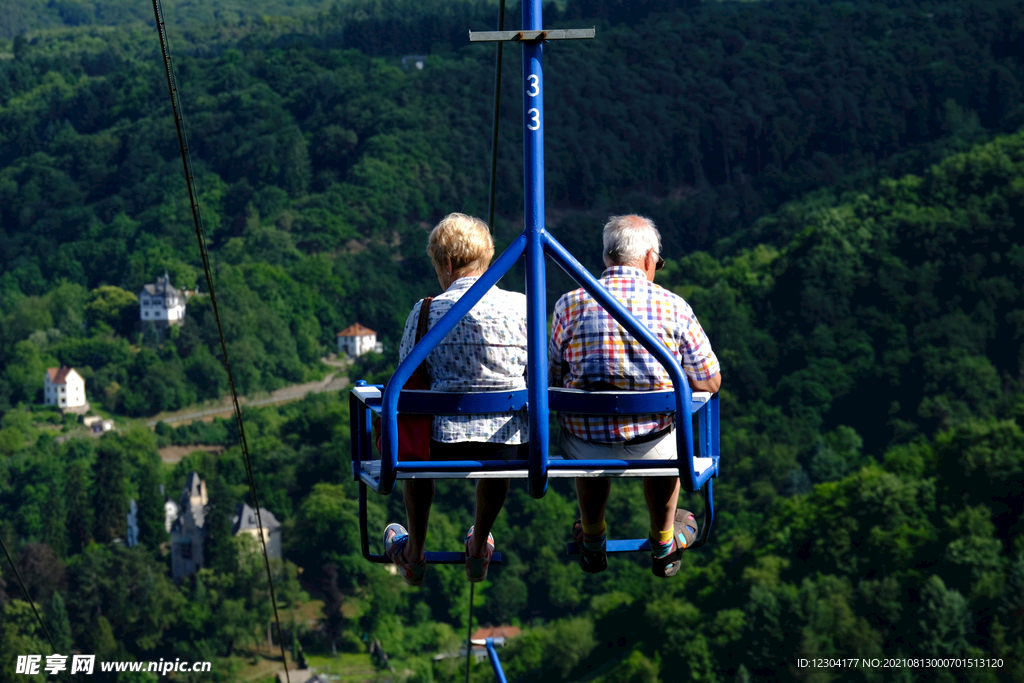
290, 393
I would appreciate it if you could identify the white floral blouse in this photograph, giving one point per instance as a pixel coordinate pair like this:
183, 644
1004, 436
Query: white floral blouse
485, 352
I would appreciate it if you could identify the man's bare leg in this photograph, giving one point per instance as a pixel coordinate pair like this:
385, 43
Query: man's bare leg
593, 493
661, 494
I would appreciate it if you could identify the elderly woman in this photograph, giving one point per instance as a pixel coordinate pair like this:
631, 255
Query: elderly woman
485, 352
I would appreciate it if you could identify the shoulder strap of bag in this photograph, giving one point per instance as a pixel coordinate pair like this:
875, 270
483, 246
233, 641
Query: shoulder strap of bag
421, 329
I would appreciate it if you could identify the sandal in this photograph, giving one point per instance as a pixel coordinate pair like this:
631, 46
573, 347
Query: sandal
592, 561
684, 534
476, 567
395, 538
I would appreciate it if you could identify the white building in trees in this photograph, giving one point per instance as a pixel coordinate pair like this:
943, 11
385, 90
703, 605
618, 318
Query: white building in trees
160, 303
187, 531
64, 388
355, 340
244, 522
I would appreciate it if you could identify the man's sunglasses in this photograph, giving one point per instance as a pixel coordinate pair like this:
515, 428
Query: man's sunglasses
660, 264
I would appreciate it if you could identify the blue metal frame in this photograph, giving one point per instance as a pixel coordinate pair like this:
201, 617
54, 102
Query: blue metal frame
595, 403
534, 242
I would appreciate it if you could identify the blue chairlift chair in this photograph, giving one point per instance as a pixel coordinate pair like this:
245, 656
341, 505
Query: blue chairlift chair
534, 242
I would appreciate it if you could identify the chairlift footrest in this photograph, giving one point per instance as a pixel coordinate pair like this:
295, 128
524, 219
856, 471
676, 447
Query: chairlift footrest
442, 557
631, 545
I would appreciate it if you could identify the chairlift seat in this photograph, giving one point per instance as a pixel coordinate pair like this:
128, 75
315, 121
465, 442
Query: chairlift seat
564, 400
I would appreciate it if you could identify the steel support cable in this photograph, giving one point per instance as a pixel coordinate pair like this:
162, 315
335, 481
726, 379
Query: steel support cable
469, 628
186, 161
494, 124
32, 603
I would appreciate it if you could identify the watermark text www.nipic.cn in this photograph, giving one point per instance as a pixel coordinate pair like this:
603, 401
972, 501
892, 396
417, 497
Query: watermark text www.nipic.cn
86, 664
899, 663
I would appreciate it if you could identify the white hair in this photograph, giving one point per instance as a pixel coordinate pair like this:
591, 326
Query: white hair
627, 239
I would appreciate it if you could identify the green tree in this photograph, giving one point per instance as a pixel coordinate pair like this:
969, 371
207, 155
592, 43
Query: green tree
636, 668
114, 307
326, 530
25, 372
59, 624
151, 515
80, 511
19, 635
220, 552
944, 622
110, 495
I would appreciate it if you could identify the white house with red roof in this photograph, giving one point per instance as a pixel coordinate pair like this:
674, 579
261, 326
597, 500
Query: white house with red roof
356, 339
64, 388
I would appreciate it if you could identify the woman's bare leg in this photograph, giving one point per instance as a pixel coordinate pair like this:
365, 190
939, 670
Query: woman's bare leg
490, 497
419, 496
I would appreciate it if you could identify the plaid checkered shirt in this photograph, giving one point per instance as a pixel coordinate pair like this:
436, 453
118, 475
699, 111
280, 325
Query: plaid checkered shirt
485, 352
592, 352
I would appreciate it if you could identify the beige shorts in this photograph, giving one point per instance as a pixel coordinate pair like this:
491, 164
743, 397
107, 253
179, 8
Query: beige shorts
576, 448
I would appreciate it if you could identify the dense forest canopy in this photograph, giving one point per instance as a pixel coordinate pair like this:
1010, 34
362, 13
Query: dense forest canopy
838, 185
315, 162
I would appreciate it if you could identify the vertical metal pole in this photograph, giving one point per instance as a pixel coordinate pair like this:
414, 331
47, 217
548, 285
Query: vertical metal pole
533, 148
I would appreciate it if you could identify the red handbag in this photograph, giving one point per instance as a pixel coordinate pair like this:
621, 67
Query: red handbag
413, 430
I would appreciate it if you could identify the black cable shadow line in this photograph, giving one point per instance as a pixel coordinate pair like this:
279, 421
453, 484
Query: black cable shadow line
186, 161
32, 603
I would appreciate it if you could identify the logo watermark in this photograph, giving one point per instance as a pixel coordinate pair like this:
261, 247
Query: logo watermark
85, 664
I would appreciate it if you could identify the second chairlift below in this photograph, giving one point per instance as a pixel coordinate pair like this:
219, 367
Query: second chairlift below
468, 417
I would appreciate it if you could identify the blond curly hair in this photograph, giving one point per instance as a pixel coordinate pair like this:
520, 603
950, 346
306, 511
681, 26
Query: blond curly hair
463, 239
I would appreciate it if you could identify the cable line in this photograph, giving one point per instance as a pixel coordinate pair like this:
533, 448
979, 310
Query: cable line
494, 125
186, 161
32, 603
469, 628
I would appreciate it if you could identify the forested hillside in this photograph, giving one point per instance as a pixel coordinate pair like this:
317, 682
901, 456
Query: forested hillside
838, 205
869, 502
317, 164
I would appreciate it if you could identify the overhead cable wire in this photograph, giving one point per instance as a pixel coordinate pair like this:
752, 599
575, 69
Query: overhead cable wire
494, 124
186, 161
469, 629
30, 601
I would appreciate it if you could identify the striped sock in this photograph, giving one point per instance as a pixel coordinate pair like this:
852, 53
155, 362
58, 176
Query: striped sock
594, 536
661, 542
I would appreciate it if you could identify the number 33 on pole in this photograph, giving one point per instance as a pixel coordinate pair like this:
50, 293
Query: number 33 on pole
532, 77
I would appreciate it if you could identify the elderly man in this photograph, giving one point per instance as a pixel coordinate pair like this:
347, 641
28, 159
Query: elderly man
590, 351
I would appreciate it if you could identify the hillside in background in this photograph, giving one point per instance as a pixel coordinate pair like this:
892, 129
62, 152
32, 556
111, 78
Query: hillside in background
317, 163
839, 203
19, 17
873, 455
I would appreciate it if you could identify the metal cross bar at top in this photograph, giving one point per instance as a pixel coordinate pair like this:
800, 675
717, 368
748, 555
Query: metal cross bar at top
529, 36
